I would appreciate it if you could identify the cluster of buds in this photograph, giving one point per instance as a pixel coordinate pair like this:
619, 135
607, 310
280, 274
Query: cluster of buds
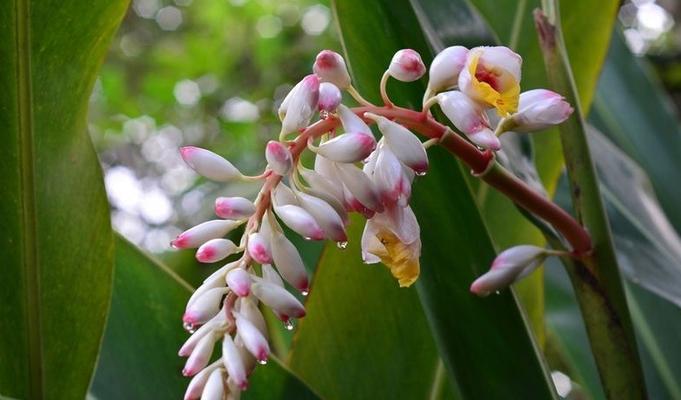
352, 172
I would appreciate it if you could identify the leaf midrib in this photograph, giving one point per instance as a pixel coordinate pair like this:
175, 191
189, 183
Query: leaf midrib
31, 275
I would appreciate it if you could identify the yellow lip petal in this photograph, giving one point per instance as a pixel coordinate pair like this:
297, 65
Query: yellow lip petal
505, 102
399, 257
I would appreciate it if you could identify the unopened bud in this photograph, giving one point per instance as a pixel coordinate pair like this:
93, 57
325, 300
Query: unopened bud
253, 339
360, 186
215, 386
302, 104
215, 250
208, 164
200, 234
329, 66
233, 363
388, 176
348, 147
205, 329
469, 118
406, 146
278, 157
200, 356
270, 275
330, 97
259, 248
351, 122
198, 382
234, 207
325, 215
540, 109
300, 221
239, 281
248, 307
406, 66
446, 67
288, 262
510, 266
204, 307
278, 299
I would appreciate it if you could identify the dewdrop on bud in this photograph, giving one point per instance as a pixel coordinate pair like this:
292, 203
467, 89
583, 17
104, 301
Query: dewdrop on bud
278, 299
278, 157
406, 66
300, 105
288, 262
325, 215
239, 281
208, 164
329, 97
234, 207
469, 118
259, 248
329, 66
198, 235
540, 109
348, 147
252, 338
204, 307
510, 266
300, 221
215, 250
406, 146
233, 363
200, 355
446, 67
215, 386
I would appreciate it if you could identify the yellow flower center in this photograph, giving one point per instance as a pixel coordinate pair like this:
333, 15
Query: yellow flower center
399, 257
495, 86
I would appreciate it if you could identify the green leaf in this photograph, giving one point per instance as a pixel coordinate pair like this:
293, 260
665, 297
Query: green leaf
56, 245
139, 354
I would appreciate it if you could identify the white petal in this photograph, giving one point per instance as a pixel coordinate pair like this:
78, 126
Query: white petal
351, 122
200, 355
348, 147
198, 235
300, 221
406, 146
199, 380
208, 164
233, 363
278, 299
248, 307
253, 339
215, 386
288, 262
360, 185
325, 215
446, 67
269, 275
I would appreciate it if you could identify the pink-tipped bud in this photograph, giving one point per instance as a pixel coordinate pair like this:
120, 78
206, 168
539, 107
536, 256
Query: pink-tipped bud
329, 66
205, 329
248, 307
300, 105
198, 382
233, 207
259, 248
208, 164
278, 157
360, 187
320, 183
446, 67
351, 122
406, 146
540, 109
300, 221
283, 194
200, 234
215, 250
278, 299
215, 386
406, 66
200, 356
234, 363
348, 147
327, 217
469, 118
252, 338
510, 266
204, 307
239, 281
288, 262
330, 97
388, 176
270, 275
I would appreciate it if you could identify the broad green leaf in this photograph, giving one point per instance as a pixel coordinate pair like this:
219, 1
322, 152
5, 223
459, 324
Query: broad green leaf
139, 354
56, 246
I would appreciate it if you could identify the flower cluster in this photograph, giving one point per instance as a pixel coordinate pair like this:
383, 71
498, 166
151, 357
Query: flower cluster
477, 89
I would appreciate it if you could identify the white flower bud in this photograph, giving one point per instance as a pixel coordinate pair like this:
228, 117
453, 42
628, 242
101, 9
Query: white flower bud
215, 250
278, 157
320, 183
252, 338
406, 66
248, 307
205, 329
215, 280
200, 356
198, 382
300, 221
446, 67
360, 186
351, 122
348, 147
200, 234
301, 106
259, 248
388, 176
239, 281
406, 146
283, 195
278, 299
329, 97
204, 307
510, 266
208, 164
246, 356
540, 109
469, 118
327, 217
215, 386
233, 363
234, 207
288, 262
329, 66
271, 276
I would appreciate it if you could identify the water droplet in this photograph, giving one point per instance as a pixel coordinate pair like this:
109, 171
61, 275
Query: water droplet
288, 324
304, 292
307, 238
421, 173
497, 292
189, 327
323, 114
342, 245
262, 362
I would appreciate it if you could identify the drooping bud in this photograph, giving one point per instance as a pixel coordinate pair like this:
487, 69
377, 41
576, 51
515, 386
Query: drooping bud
205, 329
446, 67
271, 276
510, 266
330, 97
283, 195
253, 339
302, 105
208, 164
469, 118
348, 147
360, 186
351, 122
540, 109
406, 146
215, 280
406, 66
234, 207
329, 66
278, 299
233, 363
288, 262
215, 250
200, 356
204, 307
300, 221
325, 215
215, 386
248, 307
198, 382
278, 157
388, 176
259, 248
323, 188
239, 281
200, 234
